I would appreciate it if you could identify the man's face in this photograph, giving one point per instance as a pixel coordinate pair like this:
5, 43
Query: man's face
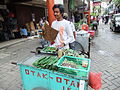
57, 13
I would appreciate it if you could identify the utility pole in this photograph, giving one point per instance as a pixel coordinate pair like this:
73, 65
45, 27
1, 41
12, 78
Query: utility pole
66, 5
83, 8
50, 4
88, 12
93, 6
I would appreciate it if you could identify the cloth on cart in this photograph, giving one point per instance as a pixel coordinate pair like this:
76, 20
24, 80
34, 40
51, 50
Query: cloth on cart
83, 38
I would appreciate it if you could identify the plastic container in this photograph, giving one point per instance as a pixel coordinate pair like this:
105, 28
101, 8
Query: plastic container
80, 71
85, 27
92, 33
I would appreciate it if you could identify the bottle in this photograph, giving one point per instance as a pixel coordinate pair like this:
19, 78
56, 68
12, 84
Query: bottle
60, 53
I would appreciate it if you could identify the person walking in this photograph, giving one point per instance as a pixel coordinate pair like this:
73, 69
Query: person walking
106, 19
65, 35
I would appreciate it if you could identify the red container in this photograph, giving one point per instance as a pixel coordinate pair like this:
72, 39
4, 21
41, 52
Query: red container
92, 33
85, 27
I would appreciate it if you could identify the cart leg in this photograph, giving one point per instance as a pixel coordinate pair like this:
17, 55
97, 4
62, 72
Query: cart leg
89, 48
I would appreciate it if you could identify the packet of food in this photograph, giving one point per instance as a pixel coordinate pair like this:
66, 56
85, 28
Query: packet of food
84, 63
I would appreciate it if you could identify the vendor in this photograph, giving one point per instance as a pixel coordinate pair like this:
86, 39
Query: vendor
65, 35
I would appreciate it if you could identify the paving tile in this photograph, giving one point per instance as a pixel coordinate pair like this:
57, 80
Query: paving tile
106, 89
105, 85
116, 84
111, 78
112, 87
104, 76
118, 88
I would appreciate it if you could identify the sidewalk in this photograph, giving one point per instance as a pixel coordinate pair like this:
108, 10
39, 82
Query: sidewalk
15, 41
12, 42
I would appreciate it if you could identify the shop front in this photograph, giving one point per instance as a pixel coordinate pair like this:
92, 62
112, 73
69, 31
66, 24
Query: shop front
15, 14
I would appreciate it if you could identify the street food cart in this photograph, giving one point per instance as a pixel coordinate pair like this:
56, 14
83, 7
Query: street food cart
53, 69
34, 78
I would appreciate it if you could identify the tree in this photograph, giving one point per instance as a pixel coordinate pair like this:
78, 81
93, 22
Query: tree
117, 2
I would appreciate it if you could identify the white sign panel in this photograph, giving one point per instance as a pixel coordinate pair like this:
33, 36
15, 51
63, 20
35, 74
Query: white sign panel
82, 85
58, 1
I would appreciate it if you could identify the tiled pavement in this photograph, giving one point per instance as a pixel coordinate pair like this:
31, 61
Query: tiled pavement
9, 74
105, 55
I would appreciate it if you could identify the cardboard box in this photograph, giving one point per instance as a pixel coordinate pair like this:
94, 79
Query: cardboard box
49, 33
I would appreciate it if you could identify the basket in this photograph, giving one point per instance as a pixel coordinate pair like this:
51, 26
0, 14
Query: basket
79, 71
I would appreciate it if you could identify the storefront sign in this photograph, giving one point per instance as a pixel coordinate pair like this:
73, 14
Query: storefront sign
96, 3
58, 1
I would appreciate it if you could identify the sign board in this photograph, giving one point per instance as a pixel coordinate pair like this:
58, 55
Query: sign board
97, 0
96, 3
58, 2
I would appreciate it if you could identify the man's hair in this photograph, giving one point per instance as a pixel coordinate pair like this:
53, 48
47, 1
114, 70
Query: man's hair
61, 8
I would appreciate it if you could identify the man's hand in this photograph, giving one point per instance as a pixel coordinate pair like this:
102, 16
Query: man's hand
63, 44
43, 28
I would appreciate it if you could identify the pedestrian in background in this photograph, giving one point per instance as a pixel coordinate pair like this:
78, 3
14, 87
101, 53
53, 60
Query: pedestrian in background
103, 18
106, 19
95, 25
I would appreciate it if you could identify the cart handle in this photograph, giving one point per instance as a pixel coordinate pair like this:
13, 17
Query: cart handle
32, 52
14, 63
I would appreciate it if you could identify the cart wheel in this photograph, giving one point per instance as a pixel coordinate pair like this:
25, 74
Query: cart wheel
78, 47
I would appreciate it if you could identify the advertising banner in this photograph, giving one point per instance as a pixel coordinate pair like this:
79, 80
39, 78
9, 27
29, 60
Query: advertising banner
96, 3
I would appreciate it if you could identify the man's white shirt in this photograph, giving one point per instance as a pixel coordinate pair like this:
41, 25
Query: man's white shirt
65, 28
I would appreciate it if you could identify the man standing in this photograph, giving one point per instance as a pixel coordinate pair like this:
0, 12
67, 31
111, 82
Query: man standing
65, 35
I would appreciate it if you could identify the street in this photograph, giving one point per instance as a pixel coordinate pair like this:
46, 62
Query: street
105, 55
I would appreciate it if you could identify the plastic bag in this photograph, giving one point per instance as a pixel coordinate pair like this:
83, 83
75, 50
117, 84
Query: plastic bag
95, 80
